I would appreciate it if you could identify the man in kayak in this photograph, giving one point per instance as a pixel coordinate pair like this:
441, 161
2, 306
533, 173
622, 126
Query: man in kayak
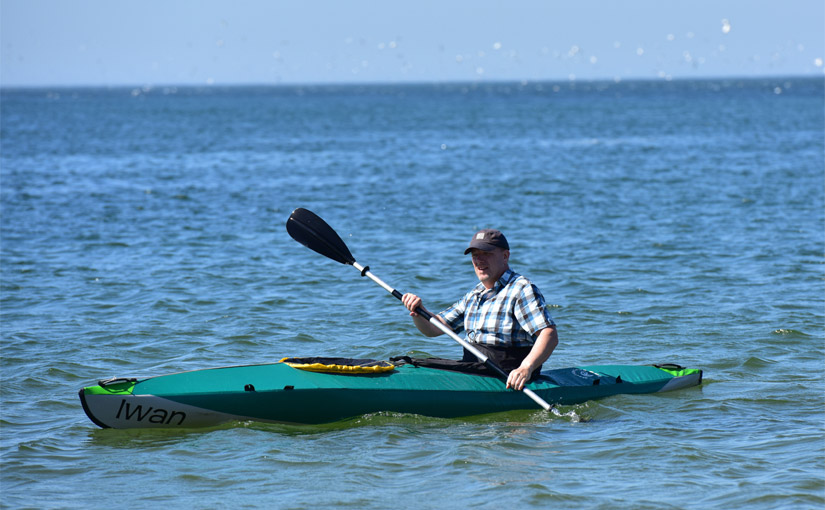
504, 315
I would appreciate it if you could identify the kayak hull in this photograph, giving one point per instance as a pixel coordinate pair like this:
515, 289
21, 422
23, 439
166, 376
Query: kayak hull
277, 392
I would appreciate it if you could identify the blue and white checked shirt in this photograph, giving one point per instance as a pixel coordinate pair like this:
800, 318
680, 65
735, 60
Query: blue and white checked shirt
510, 314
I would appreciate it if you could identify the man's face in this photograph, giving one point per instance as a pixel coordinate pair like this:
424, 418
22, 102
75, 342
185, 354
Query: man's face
490, 265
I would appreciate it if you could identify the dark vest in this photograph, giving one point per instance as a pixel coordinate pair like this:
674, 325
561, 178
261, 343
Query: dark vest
507, 358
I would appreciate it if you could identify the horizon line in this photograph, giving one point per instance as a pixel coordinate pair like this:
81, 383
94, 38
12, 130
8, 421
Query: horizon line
146, 87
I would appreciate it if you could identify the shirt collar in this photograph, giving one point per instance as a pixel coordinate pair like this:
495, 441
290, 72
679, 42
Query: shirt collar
505, 279
500, 283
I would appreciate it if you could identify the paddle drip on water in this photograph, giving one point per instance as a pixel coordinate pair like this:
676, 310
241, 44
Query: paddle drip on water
574, 417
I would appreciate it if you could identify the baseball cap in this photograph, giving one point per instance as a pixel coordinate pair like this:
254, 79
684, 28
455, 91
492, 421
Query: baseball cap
488, 239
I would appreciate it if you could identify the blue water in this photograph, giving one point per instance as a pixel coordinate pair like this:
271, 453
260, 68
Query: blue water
143, 233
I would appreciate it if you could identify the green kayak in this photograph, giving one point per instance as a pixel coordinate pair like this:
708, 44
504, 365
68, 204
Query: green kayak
279, 392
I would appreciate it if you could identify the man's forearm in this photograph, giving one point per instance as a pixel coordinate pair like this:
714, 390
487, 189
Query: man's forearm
545, 344
426, 327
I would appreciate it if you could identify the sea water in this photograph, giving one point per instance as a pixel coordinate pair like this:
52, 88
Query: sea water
143, 233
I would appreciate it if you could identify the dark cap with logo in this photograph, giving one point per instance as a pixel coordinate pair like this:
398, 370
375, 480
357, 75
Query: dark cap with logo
488, 239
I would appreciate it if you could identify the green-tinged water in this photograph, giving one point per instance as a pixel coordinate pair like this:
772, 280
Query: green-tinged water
143, 233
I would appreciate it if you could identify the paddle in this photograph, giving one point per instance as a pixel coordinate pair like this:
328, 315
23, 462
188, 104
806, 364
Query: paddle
313, 232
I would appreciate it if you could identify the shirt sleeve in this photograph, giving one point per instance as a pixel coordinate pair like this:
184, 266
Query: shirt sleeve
531, 310
454, 315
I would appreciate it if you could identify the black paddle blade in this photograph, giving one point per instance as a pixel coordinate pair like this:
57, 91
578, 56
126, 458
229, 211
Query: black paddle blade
309, 229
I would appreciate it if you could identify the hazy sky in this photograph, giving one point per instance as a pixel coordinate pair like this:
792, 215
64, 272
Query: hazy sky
165, 42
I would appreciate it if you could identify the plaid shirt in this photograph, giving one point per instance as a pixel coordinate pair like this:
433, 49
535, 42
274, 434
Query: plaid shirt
510, 314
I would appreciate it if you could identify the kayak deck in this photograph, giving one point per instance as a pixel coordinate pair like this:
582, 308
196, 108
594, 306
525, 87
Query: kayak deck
277, 392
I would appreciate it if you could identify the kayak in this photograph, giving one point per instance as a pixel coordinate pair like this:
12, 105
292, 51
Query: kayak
283, 393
